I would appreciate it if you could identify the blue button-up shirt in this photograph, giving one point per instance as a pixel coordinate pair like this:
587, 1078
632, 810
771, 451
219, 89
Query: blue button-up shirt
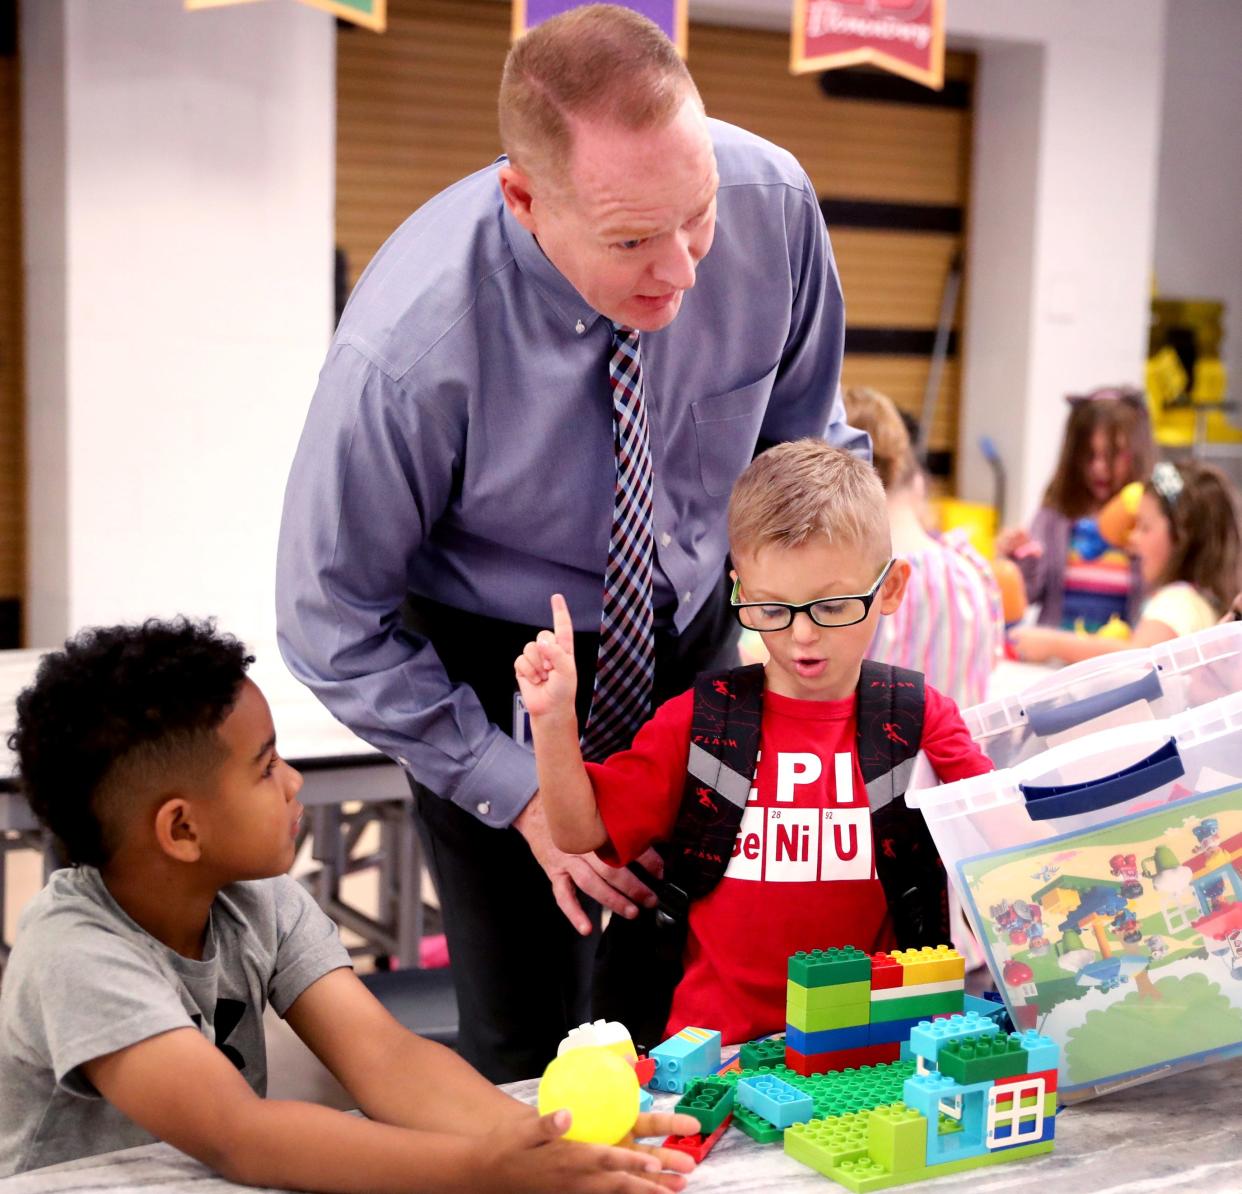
459, 446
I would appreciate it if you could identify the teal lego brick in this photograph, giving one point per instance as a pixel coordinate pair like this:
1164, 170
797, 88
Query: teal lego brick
755, 1126
983, 1059
928, 1037
897, 1138
916, 1006
709, 1101
815, 998
1043, 1053
776, 1100
762, 1055
829, 967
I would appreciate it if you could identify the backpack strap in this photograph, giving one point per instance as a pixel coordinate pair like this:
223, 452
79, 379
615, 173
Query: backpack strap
891, 703
720, 768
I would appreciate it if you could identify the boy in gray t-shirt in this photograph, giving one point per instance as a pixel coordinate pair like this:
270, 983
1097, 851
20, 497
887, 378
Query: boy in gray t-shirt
131, 1008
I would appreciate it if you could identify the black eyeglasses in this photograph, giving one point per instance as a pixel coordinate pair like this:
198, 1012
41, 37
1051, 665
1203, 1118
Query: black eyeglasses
767, 616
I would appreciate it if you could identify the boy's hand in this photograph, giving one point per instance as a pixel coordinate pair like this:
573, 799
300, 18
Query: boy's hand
529, 1155
546, 674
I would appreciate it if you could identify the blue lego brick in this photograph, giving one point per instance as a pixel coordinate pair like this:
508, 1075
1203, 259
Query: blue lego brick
777, 1101
1043, 1053
691, 1053
827, 1041
892, 1031
645, 1100
990, 1009
927, 1036
923, 1092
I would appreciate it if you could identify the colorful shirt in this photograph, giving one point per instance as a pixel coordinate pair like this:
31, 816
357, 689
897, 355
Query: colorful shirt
1097, 579
802, 875
950, 625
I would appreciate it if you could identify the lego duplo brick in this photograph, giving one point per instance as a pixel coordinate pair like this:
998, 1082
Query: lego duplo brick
927, 1037
848, 1015
827, 1041
982, 1060
760, 1055
1043, 1053
709, 1100
829, 967
777, 1101
1047, 1077
688, 1054
841, 1059
930, 964
886, 972
755, 1126
916, 1006
891, 1032
845, 1091
897, 1137
699, 1146
834, 995
951, 987
823, 1144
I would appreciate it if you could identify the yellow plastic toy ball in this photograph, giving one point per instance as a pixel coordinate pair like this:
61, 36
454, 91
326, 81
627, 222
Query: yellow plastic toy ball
599, 1089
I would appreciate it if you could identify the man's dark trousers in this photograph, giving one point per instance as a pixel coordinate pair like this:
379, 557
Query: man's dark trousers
521, 971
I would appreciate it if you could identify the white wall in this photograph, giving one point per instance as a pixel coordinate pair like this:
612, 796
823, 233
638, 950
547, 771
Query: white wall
1199, 225
1067, 121
179, 233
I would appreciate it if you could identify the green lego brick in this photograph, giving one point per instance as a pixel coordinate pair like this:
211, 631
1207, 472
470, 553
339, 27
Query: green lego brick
829, 967
760, 1055
823, 1144
983, 1059
845, 1091
897, 1138
926, 1006
796, 995
755, 1126
846, 1015
709, 1101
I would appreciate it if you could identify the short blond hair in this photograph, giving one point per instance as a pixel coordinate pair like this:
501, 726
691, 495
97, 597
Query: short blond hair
598, 61
891, 451
804, 488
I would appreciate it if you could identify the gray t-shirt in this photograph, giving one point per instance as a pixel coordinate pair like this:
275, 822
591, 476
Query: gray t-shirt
85, 980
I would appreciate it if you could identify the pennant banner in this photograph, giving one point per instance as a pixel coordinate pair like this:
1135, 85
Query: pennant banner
903, 36
670, 15
373, 14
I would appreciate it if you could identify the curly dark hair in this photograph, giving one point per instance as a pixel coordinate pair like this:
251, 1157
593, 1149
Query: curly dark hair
119, 707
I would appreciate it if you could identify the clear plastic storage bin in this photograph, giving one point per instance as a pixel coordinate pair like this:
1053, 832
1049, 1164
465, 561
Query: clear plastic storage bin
1104, 879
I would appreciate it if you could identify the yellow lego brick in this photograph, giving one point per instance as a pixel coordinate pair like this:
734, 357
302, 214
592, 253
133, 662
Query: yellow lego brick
938, 964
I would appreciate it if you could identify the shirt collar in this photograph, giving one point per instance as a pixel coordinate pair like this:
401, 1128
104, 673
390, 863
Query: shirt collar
569, 305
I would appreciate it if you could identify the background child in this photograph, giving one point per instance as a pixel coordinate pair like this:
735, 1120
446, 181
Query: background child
809, 537
950, 626
132, 1003
1185, 540
1069, 569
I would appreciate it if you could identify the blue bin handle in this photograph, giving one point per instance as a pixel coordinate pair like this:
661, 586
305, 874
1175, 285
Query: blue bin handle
1049, 718
1161, 767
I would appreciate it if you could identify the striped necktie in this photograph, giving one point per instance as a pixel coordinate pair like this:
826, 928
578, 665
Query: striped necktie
626, 664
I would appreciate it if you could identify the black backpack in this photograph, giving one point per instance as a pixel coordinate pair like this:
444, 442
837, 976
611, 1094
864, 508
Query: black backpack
639, 962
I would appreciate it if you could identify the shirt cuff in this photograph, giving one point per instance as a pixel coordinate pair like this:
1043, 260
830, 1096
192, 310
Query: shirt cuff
500, 785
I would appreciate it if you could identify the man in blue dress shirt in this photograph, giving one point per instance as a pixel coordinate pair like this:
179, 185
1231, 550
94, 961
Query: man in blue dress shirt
458, 466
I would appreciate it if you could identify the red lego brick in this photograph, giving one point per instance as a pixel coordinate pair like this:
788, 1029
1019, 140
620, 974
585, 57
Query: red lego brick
644, 1068
886, 972
1049, 1077
698, 1146
841, 1059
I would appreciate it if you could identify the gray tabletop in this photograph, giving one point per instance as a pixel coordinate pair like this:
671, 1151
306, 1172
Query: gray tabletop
1178, 1133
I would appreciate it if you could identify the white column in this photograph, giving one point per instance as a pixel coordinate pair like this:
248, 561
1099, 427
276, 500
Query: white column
178, 200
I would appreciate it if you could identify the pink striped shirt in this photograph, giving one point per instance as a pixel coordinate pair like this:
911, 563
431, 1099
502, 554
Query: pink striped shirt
949, 626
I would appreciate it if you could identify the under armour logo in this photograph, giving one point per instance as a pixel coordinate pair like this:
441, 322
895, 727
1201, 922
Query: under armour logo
229, 1013
886, 844
722, 687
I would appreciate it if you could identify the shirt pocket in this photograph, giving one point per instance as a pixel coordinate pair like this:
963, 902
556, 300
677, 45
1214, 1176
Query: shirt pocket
726, 428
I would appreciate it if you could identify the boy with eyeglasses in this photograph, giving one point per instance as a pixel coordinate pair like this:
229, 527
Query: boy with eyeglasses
809, 538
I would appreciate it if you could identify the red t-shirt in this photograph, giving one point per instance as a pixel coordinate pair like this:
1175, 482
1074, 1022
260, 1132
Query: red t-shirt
802, 874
